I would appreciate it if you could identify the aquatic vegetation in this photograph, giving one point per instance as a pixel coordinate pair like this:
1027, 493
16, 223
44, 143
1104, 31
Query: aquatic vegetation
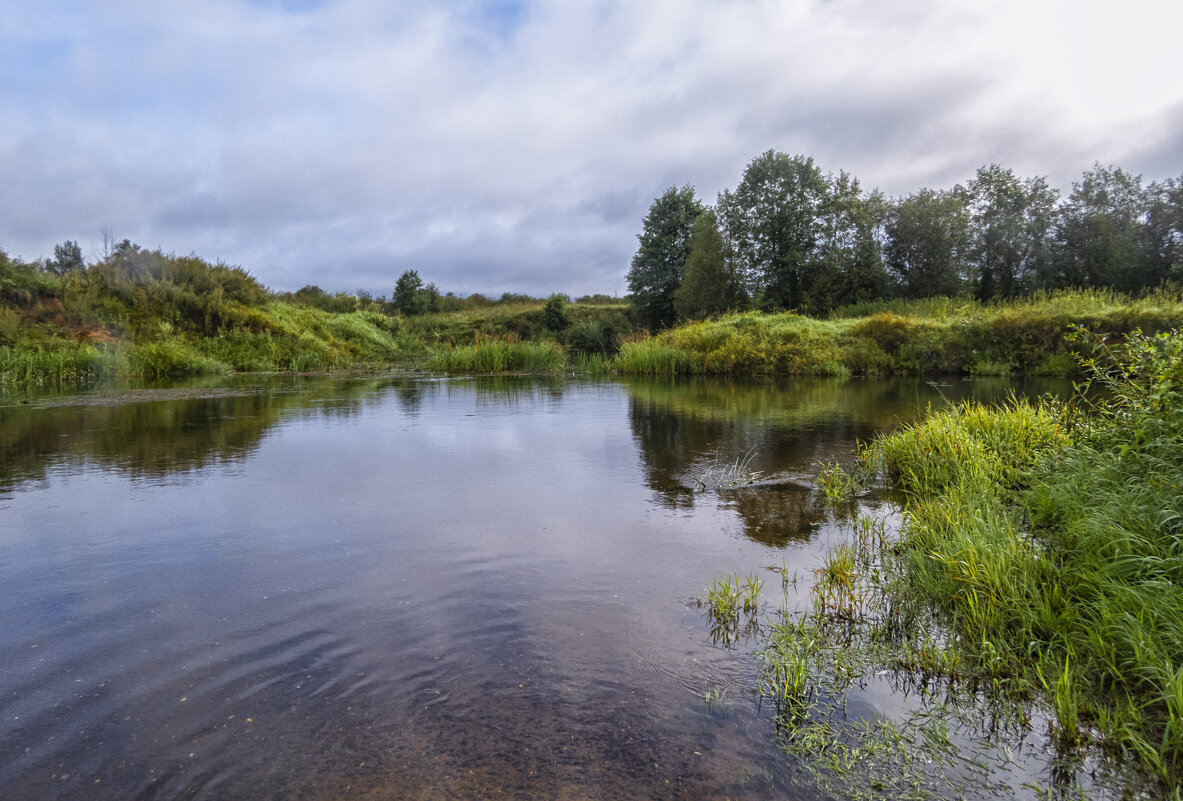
717, 702
651, 357
717, 476
593, 364
1035, 574
1047, 538
500, 355
727, 598
838, 484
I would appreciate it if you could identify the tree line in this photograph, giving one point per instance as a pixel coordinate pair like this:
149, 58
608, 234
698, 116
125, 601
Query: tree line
790, 237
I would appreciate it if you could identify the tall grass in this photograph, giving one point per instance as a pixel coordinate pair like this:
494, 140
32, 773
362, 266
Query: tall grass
62, 363
937, 335
500, 355
1049, 539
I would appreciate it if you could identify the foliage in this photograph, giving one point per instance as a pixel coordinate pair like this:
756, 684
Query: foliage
771, 223
1010, 228
914, 337
500, 356
708, 286
1047, 538
554, 313
928, 235
411, 296
656, 269
795, 238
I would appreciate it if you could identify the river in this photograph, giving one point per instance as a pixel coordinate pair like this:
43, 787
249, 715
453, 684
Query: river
412, 587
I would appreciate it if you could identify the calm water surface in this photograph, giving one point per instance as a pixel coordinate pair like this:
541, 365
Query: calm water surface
403, 587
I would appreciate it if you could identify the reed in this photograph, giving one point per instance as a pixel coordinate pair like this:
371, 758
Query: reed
1047, 537
500, 355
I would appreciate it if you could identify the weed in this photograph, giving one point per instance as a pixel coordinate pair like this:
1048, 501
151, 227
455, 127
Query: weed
717, 476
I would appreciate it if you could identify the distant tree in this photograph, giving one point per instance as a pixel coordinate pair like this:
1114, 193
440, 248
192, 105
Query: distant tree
67, 257
598, 299
408, 296
927, 240
509, 298
312, 295
846, 265
771, 224
124, 249
656, 269
1099, 238
430, 299
1163, 239
708, 285
1010, 221
554, 314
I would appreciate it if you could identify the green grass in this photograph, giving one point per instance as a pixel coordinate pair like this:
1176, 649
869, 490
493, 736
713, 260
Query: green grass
1049, 540
500, 356
1038, 572
938, 335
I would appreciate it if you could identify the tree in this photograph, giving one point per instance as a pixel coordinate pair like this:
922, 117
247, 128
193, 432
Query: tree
1099, 238
429, 299
771, 225
1163, 239
1009, 224
67, 257
927, 238
847, 261
708, 285
408, 293
554, 313
656, 269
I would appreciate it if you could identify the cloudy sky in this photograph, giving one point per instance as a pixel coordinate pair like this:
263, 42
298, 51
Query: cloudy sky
514, 145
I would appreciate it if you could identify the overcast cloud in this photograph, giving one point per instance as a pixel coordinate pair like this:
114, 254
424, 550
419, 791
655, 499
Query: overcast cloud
499, 145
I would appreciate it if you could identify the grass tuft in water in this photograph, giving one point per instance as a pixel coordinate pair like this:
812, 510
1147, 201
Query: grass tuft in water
505, 354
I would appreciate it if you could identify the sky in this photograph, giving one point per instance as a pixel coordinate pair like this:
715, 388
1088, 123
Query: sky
513, 145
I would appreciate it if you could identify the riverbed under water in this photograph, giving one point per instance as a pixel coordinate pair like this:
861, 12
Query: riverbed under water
409, 587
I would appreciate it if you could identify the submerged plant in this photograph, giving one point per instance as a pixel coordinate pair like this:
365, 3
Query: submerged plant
717, 703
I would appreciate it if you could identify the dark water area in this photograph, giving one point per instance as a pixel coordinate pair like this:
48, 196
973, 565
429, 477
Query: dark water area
405, 587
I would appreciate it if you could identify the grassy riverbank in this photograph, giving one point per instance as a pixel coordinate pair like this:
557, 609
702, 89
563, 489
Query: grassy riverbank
1039, 566
919, 337
141, 314
145, 315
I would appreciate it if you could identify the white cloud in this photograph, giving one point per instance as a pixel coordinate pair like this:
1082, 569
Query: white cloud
517, 146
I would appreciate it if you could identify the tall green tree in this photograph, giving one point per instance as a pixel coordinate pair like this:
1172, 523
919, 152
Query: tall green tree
656, 269
1163, 240
409, 297
1100, 234
771, 226
847, 261
927, 240
1010, 223
67, 257
708, 284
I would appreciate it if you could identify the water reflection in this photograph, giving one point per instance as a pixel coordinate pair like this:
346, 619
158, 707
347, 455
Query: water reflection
784, 429
154, 433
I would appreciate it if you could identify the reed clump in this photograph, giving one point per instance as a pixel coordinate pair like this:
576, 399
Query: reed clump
505, 354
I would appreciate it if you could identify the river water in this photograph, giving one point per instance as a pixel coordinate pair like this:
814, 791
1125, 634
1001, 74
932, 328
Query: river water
405, 586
